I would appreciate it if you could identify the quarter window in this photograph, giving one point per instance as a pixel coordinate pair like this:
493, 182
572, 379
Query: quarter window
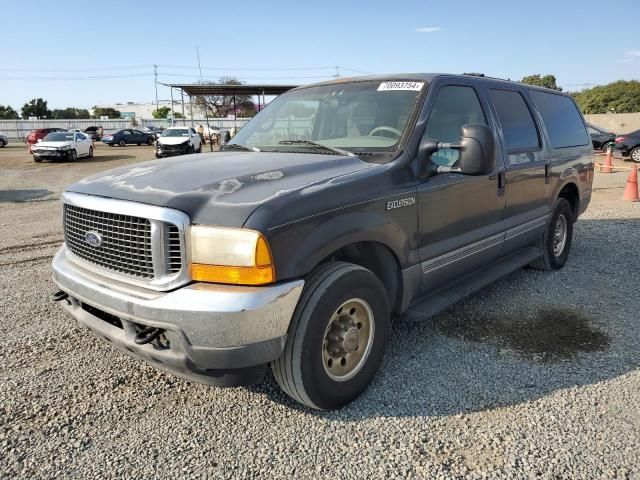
454, 107
561, 118
518, 127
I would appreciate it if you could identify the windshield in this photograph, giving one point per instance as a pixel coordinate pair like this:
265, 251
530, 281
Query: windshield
358, 117
59, 137
176, 132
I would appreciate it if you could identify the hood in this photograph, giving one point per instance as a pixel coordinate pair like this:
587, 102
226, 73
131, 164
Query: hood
53, 144
172, 140
221, 188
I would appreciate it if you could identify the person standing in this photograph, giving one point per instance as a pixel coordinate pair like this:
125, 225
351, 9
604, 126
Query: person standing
200, 131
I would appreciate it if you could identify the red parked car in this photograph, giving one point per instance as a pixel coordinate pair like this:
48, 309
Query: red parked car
39, 133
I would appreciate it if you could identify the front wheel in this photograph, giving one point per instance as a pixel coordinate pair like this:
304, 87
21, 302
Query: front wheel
337, 337
122, 143
555, 243
36, 159
72, 156
634, 155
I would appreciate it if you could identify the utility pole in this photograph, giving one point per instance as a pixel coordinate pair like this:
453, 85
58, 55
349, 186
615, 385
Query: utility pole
155, 76
337, 72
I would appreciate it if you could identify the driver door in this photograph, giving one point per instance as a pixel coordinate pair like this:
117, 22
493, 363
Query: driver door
460, 217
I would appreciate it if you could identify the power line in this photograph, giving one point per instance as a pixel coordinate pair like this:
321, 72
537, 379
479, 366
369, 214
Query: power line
87, 77
58, 70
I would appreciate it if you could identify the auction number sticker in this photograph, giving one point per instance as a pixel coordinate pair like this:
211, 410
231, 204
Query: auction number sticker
388, 86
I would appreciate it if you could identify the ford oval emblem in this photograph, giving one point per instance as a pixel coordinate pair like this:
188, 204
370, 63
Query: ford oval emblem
93, 238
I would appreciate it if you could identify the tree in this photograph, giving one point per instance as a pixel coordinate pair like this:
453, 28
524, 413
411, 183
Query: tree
618, 97
221, 105
105, 112
70, 113
548, 81
8, 113
36, 107
162, 112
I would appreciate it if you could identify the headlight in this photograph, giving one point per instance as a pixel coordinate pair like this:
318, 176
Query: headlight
230, 255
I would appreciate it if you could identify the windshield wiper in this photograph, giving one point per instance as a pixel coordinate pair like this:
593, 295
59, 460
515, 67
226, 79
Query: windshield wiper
309, 143
237, 146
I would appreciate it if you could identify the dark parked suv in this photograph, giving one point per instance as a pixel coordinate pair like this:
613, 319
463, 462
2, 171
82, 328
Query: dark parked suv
341, 206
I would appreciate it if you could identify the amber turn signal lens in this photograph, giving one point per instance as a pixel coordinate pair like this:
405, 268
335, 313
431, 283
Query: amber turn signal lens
258, 275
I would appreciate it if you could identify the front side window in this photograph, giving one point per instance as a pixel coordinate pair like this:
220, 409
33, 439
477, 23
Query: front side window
369, 116
561, 118
518, 127
454, 107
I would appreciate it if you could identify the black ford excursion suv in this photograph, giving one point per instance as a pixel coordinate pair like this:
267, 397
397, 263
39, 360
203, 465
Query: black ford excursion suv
340, 206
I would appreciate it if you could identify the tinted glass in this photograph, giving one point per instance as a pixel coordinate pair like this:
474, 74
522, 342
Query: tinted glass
518, 127
454, 107
561, 118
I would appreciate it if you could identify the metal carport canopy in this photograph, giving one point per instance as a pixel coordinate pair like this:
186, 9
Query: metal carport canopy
194, 89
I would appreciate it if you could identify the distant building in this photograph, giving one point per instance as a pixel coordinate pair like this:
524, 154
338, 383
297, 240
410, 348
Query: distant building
145, 110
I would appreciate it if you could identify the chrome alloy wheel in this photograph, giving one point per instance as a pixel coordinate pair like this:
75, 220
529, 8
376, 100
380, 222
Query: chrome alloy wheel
560, 235
348, 340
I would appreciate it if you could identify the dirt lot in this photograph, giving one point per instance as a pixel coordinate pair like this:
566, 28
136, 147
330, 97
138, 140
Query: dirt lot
535, 376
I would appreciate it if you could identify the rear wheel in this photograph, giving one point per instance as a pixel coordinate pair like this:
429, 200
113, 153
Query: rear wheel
606, 146
2, 144
556, 240
634, 155
149, 141
90, 152
337, 337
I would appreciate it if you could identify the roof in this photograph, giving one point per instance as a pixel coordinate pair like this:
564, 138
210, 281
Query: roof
229, 90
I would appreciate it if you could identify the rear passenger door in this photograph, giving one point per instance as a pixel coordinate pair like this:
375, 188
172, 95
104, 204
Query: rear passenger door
460, 216
527, 176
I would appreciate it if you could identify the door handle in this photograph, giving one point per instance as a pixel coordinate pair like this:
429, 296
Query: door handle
547, 173
502, 183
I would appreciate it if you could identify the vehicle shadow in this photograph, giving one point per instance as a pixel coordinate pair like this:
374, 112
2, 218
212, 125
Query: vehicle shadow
520, 339
98, 158
22, 196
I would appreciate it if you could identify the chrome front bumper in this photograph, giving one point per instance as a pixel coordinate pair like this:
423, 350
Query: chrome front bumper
211, 328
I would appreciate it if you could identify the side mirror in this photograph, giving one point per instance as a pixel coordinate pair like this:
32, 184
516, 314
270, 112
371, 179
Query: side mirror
477, 149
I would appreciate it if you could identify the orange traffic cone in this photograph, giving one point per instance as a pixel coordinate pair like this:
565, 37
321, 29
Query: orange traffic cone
631, 190
607, 167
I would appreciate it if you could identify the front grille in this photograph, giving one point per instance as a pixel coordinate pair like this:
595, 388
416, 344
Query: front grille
172, 249
126, 240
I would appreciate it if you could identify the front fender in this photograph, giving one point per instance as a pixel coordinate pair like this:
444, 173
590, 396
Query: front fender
299, 246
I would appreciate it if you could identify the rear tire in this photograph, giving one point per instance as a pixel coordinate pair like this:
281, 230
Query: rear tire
337, 337
634, 155
90, 152
555, 242
149, 141
606, 146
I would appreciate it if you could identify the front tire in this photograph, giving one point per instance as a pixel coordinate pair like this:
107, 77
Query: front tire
556, 240
634, 155
122, 143
337, 337
90, 152
36, 159
72, 156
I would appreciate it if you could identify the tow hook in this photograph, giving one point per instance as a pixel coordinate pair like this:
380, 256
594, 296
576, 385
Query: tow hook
147, 335
59, 296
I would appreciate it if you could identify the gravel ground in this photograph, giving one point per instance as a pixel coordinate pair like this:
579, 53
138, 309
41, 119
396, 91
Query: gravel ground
544, 385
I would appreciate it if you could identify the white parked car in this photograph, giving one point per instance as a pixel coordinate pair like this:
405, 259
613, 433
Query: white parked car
178, 141
63, 146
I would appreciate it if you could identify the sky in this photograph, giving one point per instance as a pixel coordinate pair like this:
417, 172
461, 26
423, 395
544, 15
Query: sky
62, 52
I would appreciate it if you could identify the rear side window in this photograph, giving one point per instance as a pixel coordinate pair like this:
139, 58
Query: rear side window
561, 117
519, 129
